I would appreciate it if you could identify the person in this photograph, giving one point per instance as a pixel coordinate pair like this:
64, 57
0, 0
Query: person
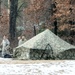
5, 45
19, 41
23, 39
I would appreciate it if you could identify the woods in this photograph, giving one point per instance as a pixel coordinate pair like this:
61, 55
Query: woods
30, 17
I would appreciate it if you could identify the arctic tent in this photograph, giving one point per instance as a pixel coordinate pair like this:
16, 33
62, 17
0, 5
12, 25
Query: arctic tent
45, 45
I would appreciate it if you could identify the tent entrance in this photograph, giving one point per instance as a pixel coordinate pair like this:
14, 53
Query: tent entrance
46, 53
48, 47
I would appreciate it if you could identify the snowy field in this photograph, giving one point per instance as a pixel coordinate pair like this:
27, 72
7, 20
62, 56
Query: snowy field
13, 67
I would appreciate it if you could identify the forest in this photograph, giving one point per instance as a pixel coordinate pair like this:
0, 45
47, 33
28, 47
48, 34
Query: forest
30, 17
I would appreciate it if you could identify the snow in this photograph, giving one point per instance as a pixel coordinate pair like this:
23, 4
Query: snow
66, 67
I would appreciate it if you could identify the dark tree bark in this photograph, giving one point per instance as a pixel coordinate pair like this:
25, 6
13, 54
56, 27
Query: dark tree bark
34, 31
55, 26
13, 16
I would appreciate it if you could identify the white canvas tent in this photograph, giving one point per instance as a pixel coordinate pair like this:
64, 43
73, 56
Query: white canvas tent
41, 40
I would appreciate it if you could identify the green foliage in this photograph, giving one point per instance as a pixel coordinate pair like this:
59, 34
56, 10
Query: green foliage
22, 4
5, 3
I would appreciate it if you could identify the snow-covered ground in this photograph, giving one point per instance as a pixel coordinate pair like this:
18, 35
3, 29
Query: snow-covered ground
57, 67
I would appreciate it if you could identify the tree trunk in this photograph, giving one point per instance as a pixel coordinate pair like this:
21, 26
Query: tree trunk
55, 27
34, 31
13, 16
0, 7
8, 6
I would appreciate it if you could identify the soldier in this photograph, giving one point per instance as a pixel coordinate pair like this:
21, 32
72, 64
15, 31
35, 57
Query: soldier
19, 41
5, 45
23, 39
